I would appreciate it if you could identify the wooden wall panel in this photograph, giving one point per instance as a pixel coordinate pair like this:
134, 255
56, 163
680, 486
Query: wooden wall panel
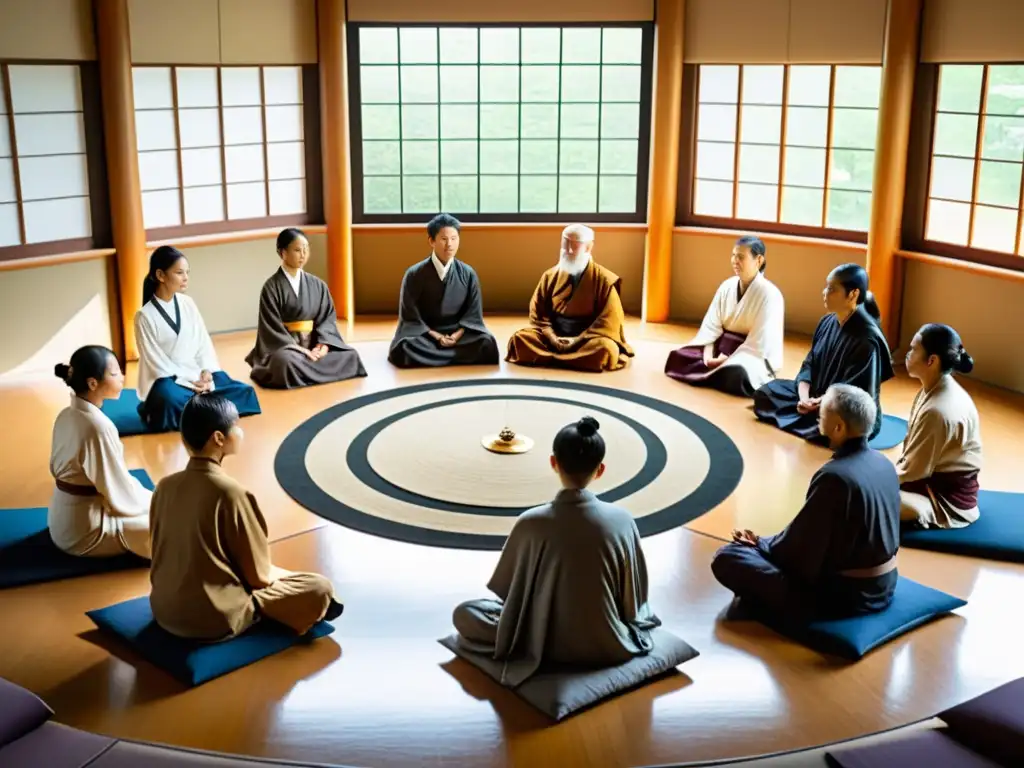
524, 10
47, 29
174, 32
836, 31
969, 32
268, 32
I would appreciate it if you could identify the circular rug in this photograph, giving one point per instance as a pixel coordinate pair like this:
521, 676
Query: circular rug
408, 464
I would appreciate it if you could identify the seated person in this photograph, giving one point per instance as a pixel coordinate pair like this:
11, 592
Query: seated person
576, 317
571, 581
838, 556
440, 311
212, 576
739, 345
848, 348
297, 337
941, 459
98, 509
176, 355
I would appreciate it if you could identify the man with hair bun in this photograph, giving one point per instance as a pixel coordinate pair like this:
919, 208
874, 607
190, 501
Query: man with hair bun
571, 581
838, 556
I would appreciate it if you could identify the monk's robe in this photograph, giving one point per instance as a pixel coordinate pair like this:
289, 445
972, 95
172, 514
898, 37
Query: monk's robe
588, 309
855, 353
211, 574
298, 315
941, 458
746, 327
572, 590
430, 303
174, 349
838, 556
98, 508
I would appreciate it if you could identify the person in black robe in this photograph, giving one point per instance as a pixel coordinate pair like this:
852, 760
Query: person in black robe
297, 338
838, 556
440, 311
848, 348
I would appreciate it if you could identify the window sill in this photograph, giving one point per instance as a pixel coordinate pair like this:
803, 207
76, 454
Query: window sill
774, 238
964, 266
500, 227
32, 262
223, 238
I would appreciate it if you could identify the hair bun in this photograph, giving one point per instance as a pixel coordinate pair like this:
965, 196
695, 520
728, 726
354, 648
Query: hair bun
587, 426
62, 371
964, 362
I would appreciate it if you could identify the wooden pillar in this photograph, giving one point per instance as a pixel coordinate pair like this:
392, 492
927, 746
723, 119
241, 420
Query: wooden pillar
114, 49
899, 65
331, 32
664, 167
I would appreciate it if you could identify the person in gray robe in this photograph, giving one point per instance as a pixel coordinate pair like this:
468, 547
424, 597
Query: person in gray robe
440, 311
297, 338
571, 581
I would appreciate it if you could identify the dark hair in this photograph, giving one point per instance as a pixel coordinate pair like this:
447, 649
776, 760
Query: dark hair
163, 258
579, 449
756, 246
943, 342
288, 236
441, 221
203, 415
87, 363
852, 276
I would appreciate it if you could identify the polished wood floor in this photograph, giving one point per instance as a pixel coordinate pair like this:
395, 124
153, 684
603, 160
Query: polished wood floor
382, 692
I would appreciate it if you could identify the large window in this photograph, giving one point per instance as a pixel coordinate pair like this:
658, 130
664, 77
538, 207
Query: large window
502, 122
974, 188
220, 148
791, 145
44, 173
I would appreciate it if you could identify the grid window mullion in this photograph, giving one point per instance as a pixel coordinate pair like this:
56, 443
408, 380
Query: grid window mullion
440, 135
558, 123
978, 149
828, 144
19, 203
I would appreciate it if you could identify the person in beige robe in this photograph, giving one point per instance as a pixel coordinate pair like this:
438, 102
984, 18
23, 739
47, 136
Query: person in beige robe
212, 576
576, 317
941, 457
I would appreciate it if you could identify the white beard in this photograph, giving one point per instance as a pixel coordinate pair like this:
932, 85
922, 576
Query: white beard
575, 267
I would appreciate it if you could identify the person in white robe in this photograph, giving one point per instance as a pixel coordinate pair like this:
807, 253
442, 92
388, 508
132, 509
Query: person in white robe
739, 346
176, 355
98, 509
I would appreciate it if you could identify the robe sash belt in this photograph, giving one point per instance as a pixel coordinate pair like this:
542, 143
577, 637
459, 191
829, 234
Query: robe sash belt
77, 490
299, 326
871, 573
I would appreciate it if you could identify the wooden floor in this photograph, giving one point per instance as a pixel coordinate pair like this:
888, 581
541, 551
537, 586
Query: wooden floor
382, 692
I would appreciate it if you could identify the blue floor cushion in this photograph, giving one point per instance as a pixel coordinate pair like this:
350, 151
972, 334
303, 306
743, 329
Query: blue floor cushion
561, 692
124, 412
912, 605
29, 556
190, 661
997, 534
893, 432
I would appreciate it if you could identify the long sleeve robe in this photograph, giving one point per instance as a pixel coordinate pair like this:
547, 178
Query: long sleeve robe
588, 309
164, 353
854, 353
428, 303
941, 456
86, 451
277, 361
755, 319
572, 581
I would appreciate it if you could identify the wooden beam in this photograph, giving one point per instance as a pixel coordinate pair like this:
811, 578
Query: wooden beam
663, 187
332, 32
115, 64
899, 66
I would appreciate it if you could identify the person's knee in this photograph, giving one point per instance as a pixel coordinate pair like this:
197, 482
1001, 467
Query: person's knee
321, 587
726, 564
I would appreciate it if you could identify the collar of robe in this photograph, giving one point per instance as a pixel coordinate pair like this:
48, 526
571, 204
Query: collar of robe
573, 495
203, 464
852, 445
176, 322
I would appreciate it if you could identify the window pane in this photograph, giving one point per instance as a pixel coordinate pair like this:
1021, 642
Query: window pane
499, 83
852, 169
499, 121
151, 86
161, 209
718, 84
955, 134
380, 122
804, 167
419, 85
286, 197
1005, 91
1003, 139
418, 45
419, 194
960, 88
848, 210
716, 122
762, 84
282, 85
620, 121
581, 45
65, 219
378, 45
420, 157
10, 228
579, 121
499, 157
952, 178
539, 156
381, 158
807, 126
761, 125
458, 84
540, 83
458, 45
378, 85
619, 156
204, 204
285, 161
244, 164
197, 87
458, 193
284, 123
459, 157
948, 222
802, 206
757, 201
809, 86
581, 83
382, 194
578, 157
538, 194
713, 198
242, 125
247, 201
617, 194
999, 184
157, 170
995, 229
499, 194
240, 86
854, 128
540, 121
857, 86
622, 45
758, 163
8, 192
499, 46
715, 161
419, 122
577, 194
541, 46
620, 83
458, 121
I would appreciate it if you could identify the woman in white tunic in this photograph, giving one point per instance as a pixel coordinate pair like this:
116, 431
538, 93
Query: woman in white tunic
176, 355
739, 345
941, 458
98, 509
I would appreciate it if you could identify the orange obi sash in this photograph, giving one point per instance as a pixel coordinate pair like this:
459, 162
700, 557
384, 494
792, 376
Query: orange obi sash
299, 326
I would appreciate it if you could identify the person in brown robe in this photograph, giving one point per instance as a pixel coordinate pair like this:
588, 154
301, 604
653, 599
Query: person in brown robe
576, 317
211, 573
297, 337
571, 581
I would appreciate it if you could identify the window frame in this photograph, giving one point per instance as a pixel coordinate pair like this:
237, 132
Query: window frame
687, 181
359, 216
921, 158
311, 147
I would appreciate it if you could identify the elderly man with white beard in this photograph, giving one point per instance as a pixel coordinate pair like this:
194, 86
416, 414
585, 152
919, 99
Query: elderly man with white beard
576, 317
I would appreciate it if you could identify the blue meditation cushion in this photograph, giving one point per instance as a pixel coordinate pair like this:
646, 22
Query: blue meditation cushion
997, 534
893, 432
195, 662
29, 556
124, 412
